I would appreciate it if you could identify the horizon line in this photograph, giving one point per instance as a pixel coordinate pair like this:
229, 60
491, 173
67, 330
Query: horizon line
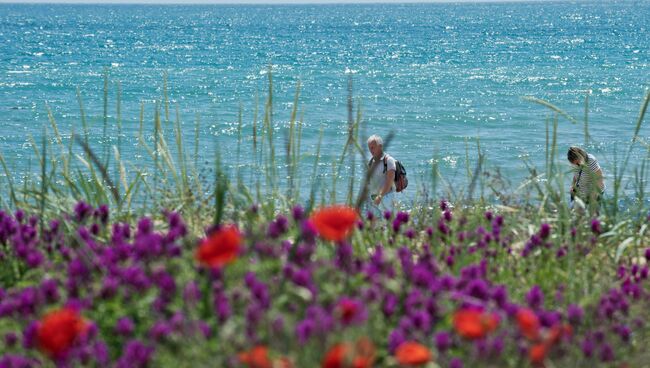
270, 2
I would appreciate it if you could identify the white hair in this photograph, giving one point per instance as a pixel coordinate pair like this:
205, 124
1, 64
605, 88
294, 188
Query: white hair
375, 138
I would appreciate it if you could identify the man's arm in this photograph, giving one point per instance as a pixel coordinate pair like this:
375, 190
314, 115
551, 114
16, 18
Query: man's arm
388, 183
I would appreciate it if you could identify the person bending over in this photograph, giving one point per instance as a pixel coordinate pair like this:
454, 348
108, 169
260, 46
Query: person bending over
587, 183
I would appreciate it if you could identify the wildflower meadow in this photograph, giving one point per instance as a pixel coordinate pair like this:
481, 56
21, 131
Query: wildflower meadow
100, 268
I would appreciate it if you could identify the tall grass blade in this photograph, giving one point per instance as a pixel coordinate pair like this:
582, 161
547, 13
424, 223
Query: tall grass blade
102, 169
552, 107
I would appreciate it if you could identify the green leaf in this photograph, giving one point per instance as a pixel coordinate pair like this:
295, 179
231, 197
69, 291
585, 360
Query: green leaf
622, 247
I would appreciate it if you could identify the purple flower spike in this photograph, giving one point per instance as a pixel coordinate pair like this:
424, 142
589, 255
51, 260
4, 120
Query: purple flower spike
297, 213
443, 341
606, 353
395, 339
11, 339
587, 347
456, 363
124, 326
596, 227
402, 217
544, 230
81, 211
535, 297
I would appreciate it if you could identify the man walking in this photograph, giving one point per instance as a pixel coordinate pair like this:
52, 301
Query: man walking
381, 184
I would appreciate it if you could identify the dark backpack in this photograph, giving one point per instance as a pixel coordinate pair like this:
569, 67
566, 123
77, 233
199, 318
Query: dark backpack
401, 181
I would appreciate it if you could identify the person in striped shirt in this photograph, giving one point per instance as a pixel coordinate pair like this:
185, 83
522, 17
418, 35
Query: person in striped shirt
587, 183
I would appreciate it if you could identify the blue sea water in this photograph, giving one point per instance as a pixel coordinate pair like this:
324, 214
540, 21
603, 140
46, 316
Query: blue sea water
440, 76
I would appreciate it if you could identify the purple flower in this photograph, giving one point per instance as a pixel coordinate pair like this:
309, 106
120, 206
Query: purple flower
304, 330
587, 347
124, 326
205, 329
595, 226
443, 341
402, 217
135, 354
545, 230
278, 227
500, 295
410, 233
395, 339
29, 335
390, 304
421, 320
396, 225
160, 330
443, 205
81, 211
308, 231
606, 353
222, 307
535, 297
624, 332
101, 354
11, 339
478, 289
443, 228
447, 215
49, 288
297, 212
387, 215
456, 363
191, 293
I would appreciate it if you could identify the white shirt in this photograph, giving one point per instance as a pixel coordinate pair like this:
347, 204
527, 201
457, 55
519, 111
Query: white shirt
378, 176
586, 177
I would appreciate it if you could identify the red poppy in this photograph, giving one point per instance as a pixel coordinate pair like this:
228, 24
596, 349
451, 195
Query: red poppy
337, 356
334, 223
528, 323
474, 324
58, 330
348, 310
346, 355
557, 332
257, 357
220, 248
413, 354
537, 353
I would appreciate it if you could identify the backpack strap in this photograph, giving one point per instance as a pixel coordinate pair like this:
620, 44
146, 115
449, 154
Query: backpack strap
385, 164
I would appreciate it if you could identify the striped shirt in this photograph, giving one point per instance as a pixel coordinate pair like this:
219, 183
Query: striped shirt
586, 178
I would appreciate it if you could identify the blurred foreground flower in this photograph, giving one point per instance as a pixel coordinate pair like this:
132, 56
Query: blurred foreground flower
412, 354
257, 357
528, 323
348, 355
474, 324
58, 330
219, 248
334, 223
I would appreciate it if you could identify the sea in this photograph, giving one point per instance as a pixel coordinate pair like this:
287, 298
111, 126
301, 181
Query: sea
452, 84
